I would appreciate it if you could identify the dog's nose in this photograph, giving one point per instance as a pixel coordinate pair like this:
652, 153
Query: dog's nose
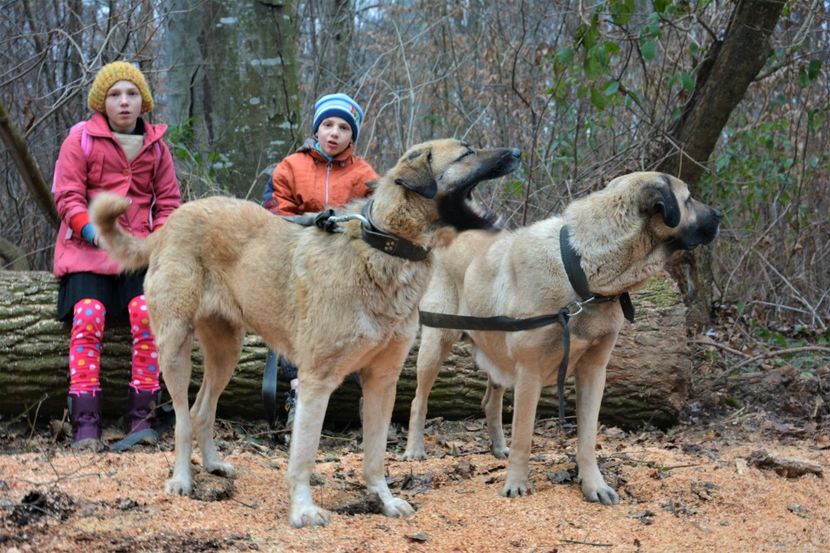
716, 216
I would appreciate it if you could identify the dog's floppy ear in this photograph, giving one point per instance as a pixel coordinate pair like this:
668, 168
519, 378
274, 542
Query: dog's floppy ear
659, 198
415, 174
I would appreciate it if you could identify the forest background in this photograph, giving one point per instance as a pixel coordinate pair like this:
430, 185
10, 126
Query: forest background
732, 96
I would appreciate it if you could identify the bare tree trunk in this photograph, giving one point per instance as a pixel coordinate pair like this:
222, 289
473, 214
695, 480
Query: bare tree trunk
26, 165
233, 78
732, 63
648, 377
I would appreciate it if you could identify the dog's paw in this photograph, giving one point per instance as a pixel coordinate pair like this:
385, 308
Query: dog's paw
221, 468
515, 489
397, 508
602, 493
178, 486
309, 515
500, 452
414, 454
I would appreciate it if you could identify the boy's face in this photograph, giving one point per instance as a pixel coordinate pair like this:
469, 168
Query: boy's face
334, 135
123, 106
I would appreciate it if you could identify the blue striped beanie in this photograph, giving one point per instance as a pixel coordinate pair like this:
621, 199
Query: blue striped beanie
338, 105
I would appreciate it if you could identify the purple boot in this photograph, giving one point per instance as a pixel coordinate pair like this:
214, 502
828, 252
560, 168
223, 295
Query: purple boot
142, 415
85, 414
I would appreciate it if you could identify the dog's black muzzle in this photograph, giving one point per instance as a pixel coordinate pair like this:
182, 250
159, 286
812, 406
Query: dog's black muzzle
454, 209
700, 234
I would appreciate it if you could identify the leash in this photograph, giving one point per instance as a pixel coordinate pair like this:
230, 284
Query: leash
165, 419
579, 282
379, 239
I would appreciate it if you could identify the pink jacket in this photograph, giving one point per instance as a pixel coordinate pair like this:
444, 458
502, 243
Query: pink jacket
149, 183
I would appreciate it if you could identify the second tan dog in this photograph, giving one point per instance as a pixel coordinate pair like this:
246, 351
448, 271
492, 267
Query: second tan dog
330, 302
623, 233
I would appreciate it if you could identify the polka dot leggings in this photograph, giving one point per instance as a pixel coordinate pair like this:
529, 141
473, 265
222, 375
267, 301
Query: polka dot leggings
85, 347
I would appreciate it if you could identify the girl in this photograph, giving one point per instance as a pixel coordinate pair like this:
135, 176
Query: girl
117, 151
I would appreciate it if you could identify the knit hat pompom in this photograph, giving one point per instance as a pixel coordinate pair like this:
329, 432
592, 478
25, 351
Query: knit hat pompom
110, 74
338, 105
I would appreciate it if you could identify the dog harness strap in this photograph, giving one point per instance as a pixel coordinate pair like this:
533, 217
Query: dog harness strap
389, 243
627, 306
579, 282
563, 364
572, 262
500, 322
509, 324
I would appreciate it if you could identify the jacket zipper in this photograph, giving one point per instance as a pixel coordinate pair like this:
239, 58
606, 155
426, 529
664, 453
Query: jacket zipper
328, 172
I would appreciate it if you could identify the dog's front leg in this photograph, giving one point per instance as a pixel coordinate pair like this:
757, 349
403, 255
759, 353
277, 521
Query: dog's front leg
378, 402
525, 400
590, 382
312, 400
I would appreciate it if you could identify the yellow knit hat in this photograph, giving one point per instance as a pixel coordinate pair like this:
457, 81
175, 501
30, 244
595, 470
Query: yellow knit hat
111, 74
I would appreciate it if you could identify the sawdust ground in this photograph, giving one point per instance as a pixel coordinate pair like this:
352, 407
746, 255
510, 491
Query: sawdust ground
694, 488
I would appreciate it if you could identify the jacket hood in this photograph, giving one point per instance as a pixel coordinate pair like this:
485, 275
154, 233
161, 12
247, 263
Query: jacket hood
97, 125
309, 148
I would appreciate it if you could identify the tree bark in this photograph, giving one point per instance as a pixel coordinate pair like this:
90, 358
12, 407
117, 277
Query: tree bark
27, 167
731, 64
233, 79
648, 377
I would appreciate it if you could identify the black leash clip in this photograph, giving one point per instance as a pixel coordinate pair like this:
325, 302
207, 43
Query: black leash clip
324, 221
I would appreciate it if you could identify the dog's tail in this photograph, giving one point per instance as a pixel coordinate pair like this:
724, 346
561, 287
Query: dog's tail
131, 251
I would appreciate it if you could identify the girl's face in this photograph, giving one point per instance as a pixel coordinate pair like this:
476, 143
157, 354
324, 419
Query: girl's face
334, 135
123, 106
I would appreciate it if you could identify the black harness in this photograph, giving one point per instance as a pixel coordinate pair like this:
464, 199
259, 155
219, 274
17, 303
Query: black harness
579, 282
370, 233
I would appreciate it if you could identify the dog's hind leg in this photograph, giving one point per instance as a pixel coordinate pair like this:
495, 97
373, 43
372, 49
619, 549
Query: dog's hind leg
312, 401
590, 382
221, 345
492, 404
175, 342
378, 402
434, 348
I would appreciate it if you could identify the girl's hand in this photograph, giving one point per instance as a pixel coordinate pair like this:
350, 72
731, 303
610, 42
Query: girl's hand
89, 234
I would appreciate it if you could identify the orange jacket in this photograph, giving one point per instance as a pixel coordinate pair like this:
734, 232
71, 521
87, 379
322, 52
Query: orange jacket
305, 182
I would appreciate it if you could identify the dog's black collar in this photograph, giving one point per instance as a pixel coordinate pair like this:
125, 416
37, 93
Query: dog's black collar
371, 234
576, 276
389, 243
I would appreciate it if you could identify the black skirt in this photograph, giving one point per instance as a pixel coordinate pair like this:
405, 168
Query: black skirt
114, 291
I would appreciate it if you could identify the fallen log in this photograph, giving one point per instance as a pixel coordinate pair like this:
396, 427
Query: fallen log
648, 377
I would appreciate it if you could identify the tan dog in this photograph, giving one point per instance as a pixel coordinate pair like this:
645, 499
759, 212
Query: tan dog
330, 302
624, 234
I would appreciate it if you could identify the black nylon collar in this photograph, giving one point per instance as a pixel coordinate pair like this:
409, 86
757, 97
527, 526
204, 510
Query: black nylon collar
389, 243
576, 276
